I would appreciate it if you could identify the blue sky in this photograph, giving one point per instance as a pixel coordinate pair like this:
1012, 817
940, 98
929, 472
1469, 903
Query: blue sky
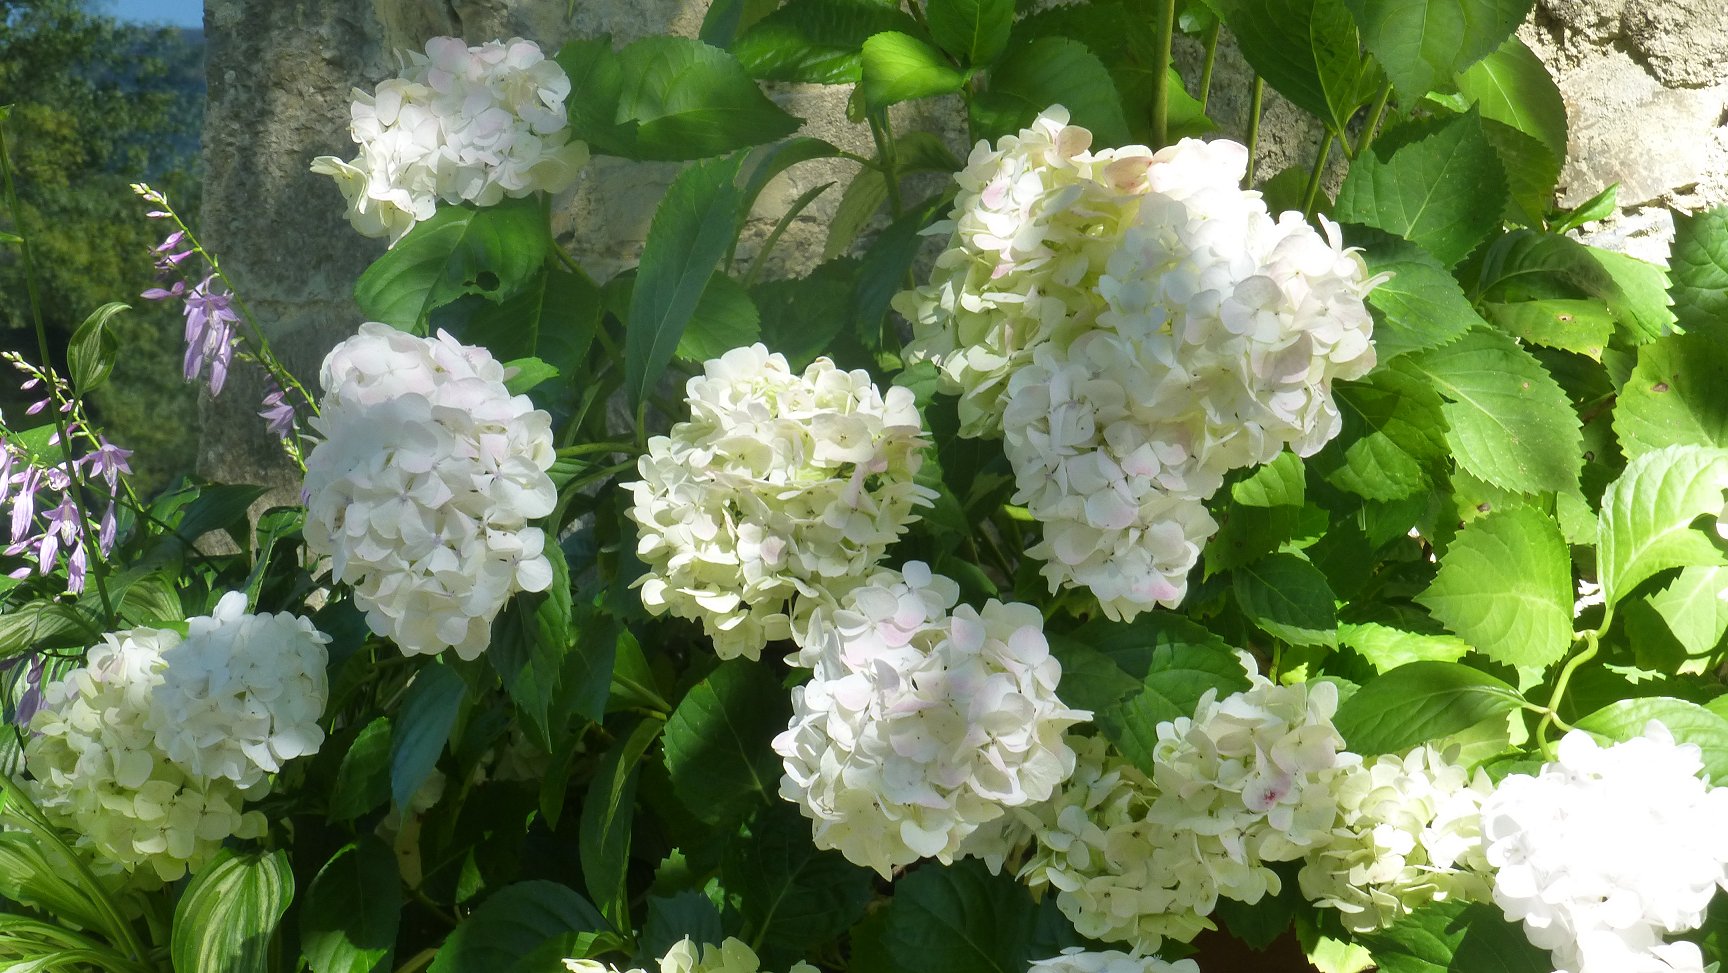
177, 13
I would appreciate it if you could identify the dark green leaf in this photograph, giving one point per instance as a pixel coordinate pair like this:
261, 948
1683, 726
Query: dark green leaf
530, 640
1052, 71
794, 897
227, 916
1674, 397
607, 813
1309, 51
529, 373
899, 67
348, 924
691, 101
1179, 677
1289, 598
1423, 43
1394, 440
1699, 265
1505, 586
91, 352
1455, 937
1436, 183
1509, 422
717, 742
975, 31
690, 234
803, 316
552, 319
725, 318
494, 252
672, 918
1419, 702
363, 779
1421, 307
422, 729
817, 41
514, 925
962, 919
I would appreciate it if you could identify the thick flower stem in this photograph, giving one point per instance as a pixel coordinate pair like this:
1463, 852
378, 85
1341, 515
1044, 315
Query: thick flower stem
1312, 194
1253, 140
1161, 72
78, 490
1374, 115
1211, 61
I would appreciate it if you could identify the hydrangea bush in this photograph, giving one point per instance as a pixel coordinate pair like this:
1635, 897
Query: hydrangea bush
1119, 560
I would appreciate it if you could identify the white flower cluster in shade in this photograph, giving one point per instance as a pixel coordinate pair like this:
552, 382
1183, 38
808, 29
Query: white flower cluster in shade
1608, 849
1408, 833
1078, 959
923, 721
148, 751
461, 124
686, 956
779, 486
1135, 326
424, 484
1248, 780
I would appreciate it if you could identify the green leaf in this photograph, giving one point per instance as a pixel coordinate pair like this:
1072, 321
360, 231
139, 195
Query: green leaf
423, 727
1052, 71
516, 925
553, 319
717, 749
1694, 609
1423, 43
1421, 307
860, 200
530, 640
1308, 50
1509, 423
1178, 677
688, 100
1454, 937
91, 352
1393, 443
1505, 586
1512, 86
529, 373
1289, 598
348, 924
1597, 207
1635, 290
962, 919
672, 918
1698, 263
1419, 702
817, 41
607, 813
794, 897
975, 31
1270, 510
899, 67
1674, 397
802, 317
1688, 722
692, 229
1387, 647
228, 915
1582, 327
493, 251
363, 778
725, 18
1532, 172
1648, 512
1437, 183
725, 318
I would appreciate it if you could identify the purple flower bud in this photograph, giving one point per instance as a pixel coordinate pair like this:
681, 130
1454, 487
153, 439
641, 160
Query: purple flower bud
278, 414
210, 321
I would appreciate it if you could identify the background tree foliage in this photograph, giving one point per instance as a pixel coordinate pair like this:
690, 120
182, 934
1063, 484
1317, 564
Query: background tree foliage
97, 105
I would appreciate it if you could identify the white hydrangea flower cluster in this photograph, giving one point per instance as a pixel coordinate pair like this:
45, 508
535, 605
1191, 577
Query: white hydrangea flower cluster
1246, 781
686, 956
1078, 959
1607, 849
460, 124
148, 753
1135, 326
779, 486
1033, 226
241, 694
923, 721
424, 484
1408, 833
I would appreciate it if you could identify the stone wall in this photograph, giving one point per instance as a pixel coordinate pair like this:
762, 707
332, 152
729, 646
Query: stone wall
1644, 83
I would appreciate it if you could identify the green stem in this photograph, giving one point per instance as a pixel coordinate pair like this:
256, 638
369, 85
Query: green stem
1254, 100
1211, 60
586, 448
419, 961
1312, 193
1374, 114
1161, 73
884, 138
1592, 642
78, 487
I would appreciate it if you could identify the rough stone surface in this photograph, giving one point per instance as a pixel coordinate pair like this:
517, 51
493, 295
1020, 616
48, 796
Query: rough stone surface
1644, 84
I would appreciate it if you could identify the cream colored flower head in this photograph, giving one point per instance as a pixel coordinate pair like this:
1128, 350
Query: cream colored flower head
687, 956
1078, 959
423, 488
460, 124
778, 487
923, 721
